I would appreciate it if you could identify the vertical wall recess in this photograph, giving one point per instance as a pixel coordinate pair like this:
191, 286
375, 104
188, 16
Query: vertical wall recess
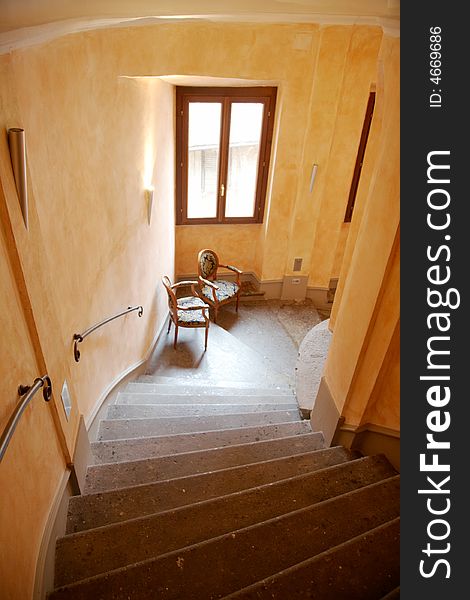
17, 147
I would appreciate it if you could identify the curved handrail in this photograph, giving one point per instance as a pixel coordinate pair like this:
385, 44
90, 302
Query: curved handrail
28, 392
79, 337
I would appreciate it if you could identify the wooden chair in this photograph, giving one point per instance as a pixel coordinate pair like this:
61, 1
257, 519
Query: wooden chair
189, 311
212, 290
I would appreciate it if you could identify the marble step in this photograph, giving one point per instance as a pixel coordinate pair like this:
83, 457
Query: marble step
106, 548
195, 398
138, 448
180, 386
148, 411
96, 510
100, 478
244, 556
132, 428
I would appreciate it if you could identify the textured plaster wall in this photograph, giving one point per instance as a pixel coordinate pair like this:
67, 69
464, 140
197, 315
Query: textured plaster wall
235, 244
383, 408
344, 72
366, 310
94, 140
34, 448
324, 77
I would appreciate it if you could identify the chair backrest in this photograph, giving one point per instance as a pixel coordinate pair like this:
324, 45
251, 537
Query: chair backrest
207, 264
172, 301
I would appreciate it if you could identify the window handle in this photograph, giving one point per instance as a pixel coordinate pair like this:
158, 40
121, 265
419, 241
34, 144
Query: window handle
222, 190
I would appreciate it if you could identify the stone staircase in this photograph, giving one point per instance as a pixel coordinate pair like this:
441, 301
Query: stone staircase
222, 491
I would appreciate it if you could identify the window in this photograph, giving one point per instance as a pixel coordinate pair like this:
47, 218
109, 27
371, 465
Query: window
360, 158
223, 145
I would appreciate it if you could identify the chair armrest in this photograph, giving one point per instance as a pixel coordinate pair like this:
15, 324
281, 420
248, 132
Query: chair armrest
235, 270
231, 268
185, 284
180, 283
209, 283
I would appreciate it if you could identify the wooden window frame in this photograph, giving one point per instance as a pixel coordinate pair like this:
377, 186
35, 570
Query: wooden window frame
225, 95
360, 157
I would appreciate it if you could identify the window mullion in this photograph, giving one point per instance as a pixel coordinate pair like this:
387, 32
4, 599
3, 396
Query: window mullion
224, 148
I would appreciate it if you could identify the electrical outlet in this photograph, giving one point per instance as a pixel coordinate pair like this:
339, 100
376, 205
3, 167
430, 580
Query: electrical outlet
295, 281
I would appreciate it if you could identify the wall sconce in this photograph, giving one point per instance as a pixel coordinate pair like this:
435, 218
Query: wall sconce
149, 196
312, 176
18, 162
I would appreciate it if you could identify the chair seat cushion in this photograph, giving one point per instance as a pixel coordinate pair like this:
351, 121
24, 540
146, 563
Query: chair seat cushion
227, 290
186, 317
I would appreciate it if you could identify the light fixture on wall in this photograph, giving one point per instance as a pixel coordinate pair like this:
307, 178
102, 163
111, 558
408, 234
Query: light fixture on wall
312, 176
149, 196
18, 162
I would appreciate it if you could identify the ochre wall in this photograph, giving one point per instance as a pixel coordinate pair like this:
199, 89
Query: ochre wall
33, 464
324, 75
235, 244
94, 140
365, 314
97, 134
345, 70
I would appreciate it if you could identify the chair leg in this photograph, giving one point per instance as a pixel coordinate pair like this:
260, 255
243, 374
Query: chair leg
169, 326
207, 333
238, 300
176, 336
215, 313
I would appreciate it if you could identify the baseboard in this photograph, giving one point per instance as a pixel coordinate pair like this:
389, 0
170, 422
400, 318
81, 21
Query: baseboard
55, 527
121, 378
320, 298
272, 288
370, 439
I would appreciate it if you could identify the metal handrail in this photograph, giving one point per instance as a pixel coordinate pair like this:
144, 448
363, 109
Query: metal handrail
28, 392
79, 337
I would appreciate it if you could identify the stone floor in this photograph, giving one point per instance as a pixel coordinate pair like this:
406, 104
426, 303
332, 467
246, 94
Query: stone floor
262, 340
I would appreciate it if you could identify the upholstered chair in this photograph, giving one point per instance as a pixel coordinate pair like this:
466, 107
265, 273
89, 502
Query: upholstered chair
189, 311
213, 290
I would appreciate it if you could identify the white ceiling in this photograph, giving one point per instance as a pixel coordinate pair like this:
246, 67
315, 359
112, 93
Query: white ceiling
23, 22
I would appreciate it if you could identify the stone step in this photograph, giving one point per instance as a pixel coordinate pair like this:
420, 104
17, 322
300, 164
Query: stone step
362, 568
96, 551
138, 448
160, 398
179, 386
100, 478
239, 558
148, 411
133, 428
96, 510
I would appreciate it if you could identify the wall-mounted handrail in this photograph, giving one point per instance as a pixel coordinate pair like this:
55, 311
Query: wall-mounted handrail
79, 337
27, 391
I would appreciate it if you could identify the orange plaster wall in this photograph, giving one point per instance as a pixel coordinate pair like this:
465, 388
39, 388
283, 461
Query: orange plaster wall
234, 244
383, 408
353, 78
370, 260
324, 76
94, 141
34, 448
374, 360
